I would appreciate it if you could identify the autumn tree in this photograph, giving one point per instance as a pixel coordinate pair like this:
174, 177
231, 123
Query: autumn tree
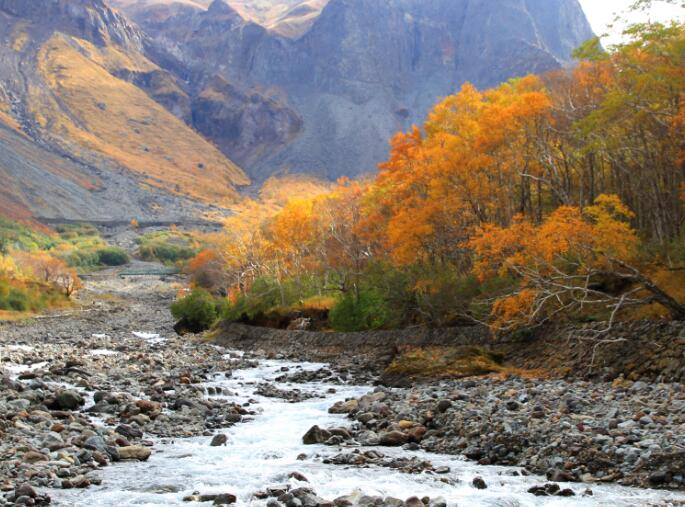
562, 265
208, 271
43, 267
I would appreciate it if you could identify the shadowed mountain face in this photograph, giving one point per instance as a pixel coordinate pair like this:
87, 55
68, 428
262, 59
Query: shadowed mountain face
364, 69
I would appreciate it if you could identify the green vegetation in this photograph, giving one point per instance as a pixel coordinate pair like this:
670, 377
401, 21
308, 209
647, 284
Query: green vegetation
112, 256
199, 310
28, 297
81, 246
20, 237
172, 248
360, 312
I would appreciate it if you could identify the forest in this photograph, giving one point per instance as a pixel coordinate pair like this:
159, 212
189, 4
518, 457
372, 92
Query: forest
549, 197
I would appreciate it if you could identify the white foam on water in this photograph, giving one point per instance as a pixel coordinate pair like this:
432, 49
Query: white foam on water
149, 337
103, 352
264, 451
23, 348
17, 369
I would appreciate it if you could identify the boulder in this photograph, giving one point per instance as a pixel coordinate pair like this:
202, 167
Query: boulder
219, 440
134, 452
315, 435
393, 438
69, 400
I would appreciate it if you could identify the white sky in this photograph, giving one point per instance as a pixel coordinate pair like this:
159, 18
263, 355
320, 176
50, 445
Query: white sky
602, 13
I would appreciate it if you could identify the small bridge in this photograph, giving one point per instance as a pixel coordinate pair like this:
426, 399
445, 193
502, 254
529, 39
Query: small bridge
148, 272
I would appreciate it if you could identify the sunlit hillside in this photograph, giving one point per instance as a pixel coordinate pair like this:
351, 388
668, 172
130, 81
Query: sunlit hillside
87, 106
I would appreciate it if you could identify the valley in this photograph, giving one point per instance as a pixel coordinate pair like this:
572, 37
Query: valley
134, 414
341, 253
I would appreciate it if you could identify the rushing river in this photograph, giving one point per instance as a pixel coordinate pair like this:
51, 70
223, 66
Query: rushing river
263, 452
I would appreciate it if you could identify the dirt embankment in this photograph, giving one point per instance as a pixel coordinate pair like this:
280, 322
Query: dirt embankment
648, 351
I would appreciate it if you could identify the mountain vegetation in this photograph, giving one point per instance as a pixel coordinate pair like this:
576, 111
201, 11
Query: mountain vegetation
547, 197
39, 267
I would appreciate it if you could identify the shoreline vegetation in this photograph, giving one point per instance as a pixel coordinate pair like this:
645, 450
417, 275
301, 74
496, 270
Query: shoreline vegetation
552, 198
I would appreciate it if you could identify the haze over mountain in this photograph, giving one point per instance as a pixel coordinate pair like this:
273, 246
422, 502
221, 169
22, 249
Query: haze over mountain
143, 109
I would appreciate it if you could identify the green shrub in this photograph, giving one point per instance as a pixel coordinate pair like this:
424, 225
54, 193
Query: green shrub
82, 259
18, 301
112, 256
363, 313
15, 235
166, 253
18, 297
199, 310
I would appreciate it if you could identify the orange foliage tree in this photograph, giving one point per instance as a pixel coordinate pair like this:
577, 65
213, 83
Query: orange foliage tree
561, 265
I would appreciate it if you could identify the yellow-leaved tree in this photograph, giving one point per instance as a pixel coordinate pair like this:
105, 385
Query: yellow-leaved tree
575, 260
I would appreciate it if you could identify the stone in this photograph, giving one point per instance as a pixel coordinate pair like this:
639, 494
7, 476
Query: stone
444, 406
34, 457
26, 490
344, 407
393, 438
315, 435
129, 431
297, 476
219, 440
134, 452
479, 483
69, 400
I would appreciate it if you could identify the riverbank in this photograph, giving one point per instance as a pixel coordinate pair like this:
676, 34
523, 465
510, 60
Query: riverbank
107, 398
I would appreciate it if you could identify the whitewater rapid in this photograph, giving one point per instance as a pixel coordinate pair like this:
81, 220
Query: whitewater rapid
264, 451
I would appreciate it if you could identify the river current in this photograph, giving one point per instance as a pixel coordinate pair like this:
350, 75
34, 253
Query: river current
264, 451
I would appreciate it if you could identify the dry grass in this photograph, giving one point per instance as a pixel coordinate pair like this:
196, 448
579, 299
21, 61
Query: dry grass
455, 362
444, 362
92, 110
7, 316
20, 37
673, 282
278, 190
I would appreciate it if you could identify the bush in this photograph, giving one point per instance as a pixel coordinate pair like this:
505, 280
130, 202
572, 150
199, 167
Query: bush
166, 253
368, 311
18, 301
199, 310
112, 256
19, 297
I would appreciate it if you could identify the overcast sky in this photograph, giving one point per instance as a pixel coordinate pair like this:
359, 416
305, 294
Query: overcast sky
601, 14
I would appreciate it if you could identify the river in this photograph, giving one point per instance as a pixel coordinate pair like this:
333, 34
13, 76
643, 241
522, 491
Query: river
264, 451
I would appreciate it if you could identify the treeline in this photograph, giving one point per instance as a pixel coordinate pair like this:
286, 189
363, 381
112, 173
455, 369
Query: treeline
546, 197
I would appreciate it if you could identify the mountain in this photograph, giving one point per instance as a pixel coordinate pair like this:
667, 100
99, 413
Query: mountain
361, 69
79, 139
163, 109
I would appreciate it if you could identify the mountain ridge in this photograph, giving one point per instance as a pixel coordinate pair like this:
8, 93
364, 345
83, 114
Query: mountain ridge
190, 93
64, 89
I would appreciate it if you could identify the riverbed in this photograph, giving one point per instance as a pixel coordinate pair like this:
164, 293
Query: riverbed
266, 450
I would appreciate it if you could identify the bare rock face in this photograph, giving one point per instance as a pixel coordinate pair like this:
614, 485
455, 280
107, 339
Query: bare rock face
89, 19
73, 70
364, 68
247, 125
277, 86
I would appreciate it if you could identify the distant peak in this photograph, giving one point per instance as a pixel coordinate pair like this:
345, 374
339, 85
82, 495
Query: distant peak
220, 7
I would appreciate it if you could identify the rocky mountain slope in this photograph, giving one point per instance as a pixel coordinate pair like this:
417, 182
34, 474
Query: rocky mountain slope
153, 107
364, 68
78, 138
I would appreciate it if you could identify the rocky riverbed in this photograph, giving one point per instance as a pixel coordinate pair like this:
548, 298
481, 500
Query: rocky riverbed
105, 405
632, 433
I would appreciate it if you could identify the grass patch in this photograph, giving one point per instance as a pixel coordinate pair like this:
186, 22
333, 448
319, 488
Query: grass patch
16, 236
444, 362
